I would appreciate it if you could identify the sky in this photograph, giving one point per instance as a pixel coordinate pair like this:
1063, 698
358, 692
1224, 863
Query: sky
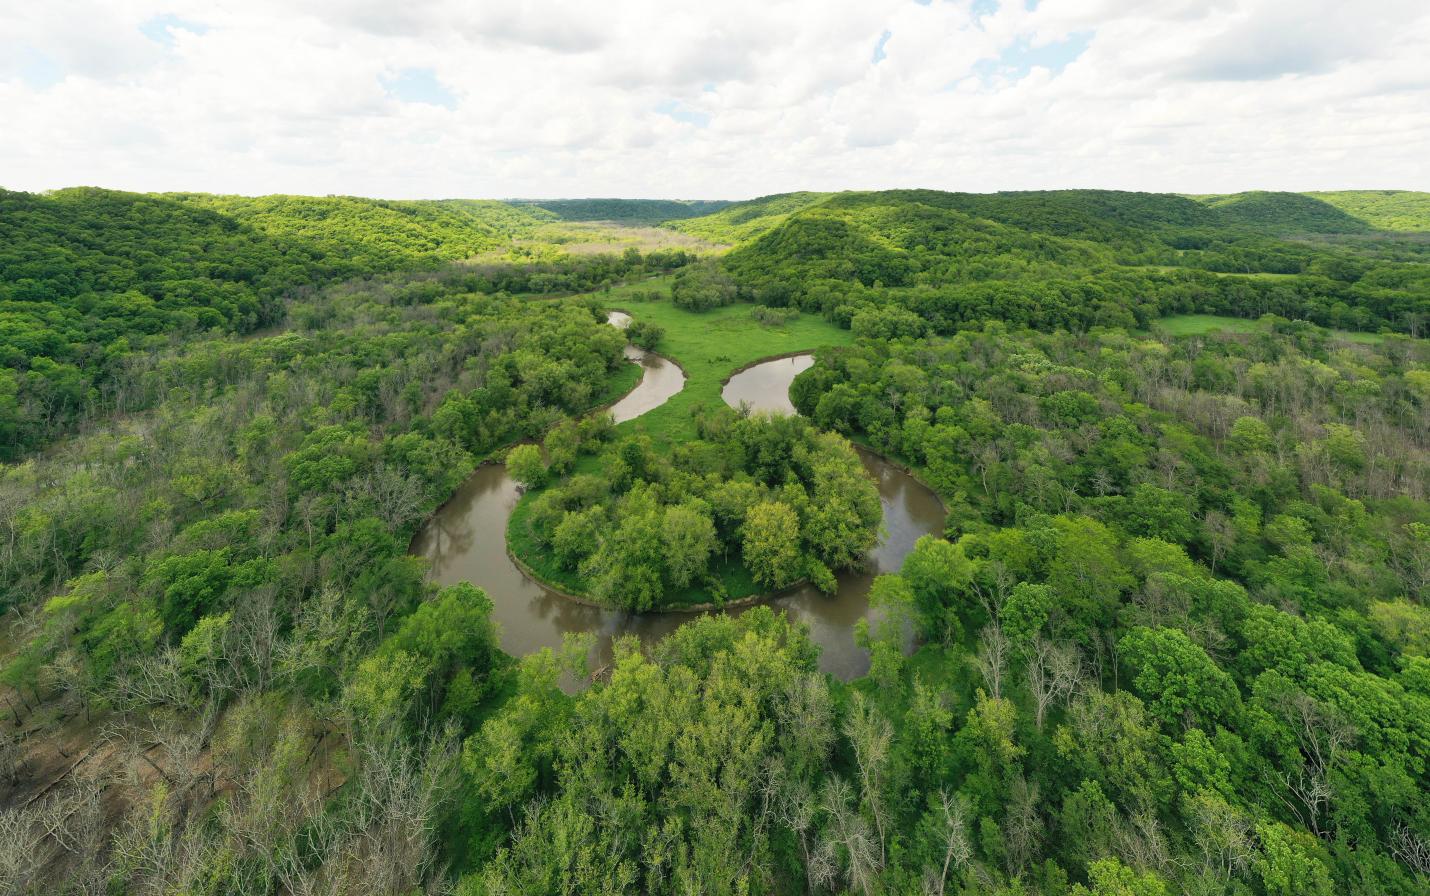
729, 99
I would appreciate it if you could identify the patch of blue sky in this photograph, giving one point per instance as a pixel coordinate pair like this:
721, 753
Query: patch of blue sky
160, 29
419, 85
37, 69
1020, 57
879, 54
683, 113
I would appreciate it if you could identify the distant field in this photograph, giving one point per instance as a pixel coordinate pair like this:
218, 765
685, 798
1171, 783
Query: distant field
1198, 324
1172, 269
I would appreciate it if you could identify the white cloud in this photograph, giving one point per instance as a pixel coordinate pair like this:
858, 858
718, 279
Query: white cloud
745, 97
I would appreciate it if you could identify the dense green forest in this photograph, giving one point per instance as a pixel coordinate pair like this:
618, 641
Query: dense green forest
921, 260
635, 529
92, 282
1172, 639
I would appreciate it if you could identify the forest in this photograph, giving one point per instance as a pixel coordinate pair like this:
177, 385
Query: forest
788, 502
1171, 639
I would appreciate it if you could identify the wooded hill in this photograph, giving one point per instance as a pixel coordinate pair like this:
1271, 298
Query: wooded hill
1074, 258
92, 280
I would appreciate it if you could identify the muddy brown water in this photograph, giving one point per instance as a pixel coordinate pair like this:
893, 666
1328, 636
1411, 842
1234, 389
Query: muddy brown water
765, 386
661, 378
466, 541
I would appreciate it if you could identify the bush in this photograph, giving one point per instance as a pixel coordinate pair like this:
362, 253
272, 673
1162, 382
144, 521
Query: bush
645, 334
773, 317
701, 287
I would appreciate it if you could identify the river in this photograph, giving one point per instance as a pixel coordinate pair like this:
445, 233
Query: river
466, 539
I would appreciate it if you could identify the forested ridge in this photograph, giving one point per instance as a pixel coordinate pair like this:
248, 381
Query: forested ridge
92, 281
1172, 640
634, 211
1079, 258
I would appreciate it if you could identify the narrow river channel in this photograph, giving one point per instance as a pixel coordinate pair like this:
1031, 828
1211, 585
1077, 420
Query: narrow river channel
466, 539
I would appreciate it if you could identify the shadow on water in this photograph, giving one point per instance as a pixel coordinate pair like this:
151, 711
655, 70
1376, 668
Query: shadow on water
466, 539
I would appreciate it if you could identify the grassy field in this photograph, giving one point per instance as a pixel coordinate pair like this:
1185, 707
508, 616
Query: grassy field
1173, 269
709, 346
1198, 324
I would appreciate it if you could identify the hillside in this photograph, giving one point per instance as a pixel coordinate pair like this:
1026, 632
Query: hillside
375, 234
1392, 210
1283, 213
92, 279
1075, 259
625, 211
742, 221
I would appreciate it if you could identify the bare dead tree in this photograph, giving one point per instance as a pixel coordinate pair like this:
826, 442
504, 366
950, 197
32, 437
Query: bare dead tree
1224, 834
952, 812
848, 843
397, 498
871, 736
1140, 842
1022, 825
1054, 671
1322, 735
806, 722
1410, 848
992, 657
797, 808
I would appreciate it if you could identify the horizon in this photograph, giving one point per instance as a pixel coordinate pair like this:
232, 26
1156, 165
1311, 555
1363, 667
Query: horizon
691, 199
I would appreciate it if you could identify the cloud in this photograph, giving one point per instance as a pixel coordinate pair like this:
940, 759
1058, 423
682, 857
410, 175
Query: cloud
647, 98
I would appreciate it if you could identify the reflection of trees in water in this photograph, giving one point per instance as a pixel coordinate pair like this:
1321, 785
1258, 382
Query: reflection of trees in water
447, 536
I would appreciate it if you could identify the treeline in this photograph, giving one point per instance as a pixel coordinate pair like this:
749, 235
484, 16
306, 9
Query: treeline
92, 282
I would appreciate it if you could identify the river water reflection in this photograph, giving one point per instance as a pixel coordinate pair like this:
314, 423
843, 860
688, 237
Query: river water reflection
466, 541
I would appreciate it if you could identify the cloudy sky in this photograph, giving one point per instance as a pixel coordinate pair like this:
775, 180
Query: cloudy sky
727, 99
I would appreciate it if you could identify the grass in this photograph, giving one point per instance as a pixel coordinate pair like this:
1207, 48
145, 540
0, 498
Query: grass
1250, 275
1200, 324
709, 346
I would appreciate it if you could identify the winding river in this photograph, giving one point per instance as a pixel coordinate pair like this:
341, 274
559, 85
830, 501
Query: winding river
466, 538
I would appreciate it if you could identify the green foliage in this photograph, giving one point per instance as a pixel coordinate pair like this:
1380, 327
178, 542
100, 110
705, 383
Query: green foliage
1284, 212
526, 466
438, 665
630, 211
641, 529
741, 221
1401, 210
1181, 684
1173, 641
902, 261
92, 280
770, 544
701, 287
645, 334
